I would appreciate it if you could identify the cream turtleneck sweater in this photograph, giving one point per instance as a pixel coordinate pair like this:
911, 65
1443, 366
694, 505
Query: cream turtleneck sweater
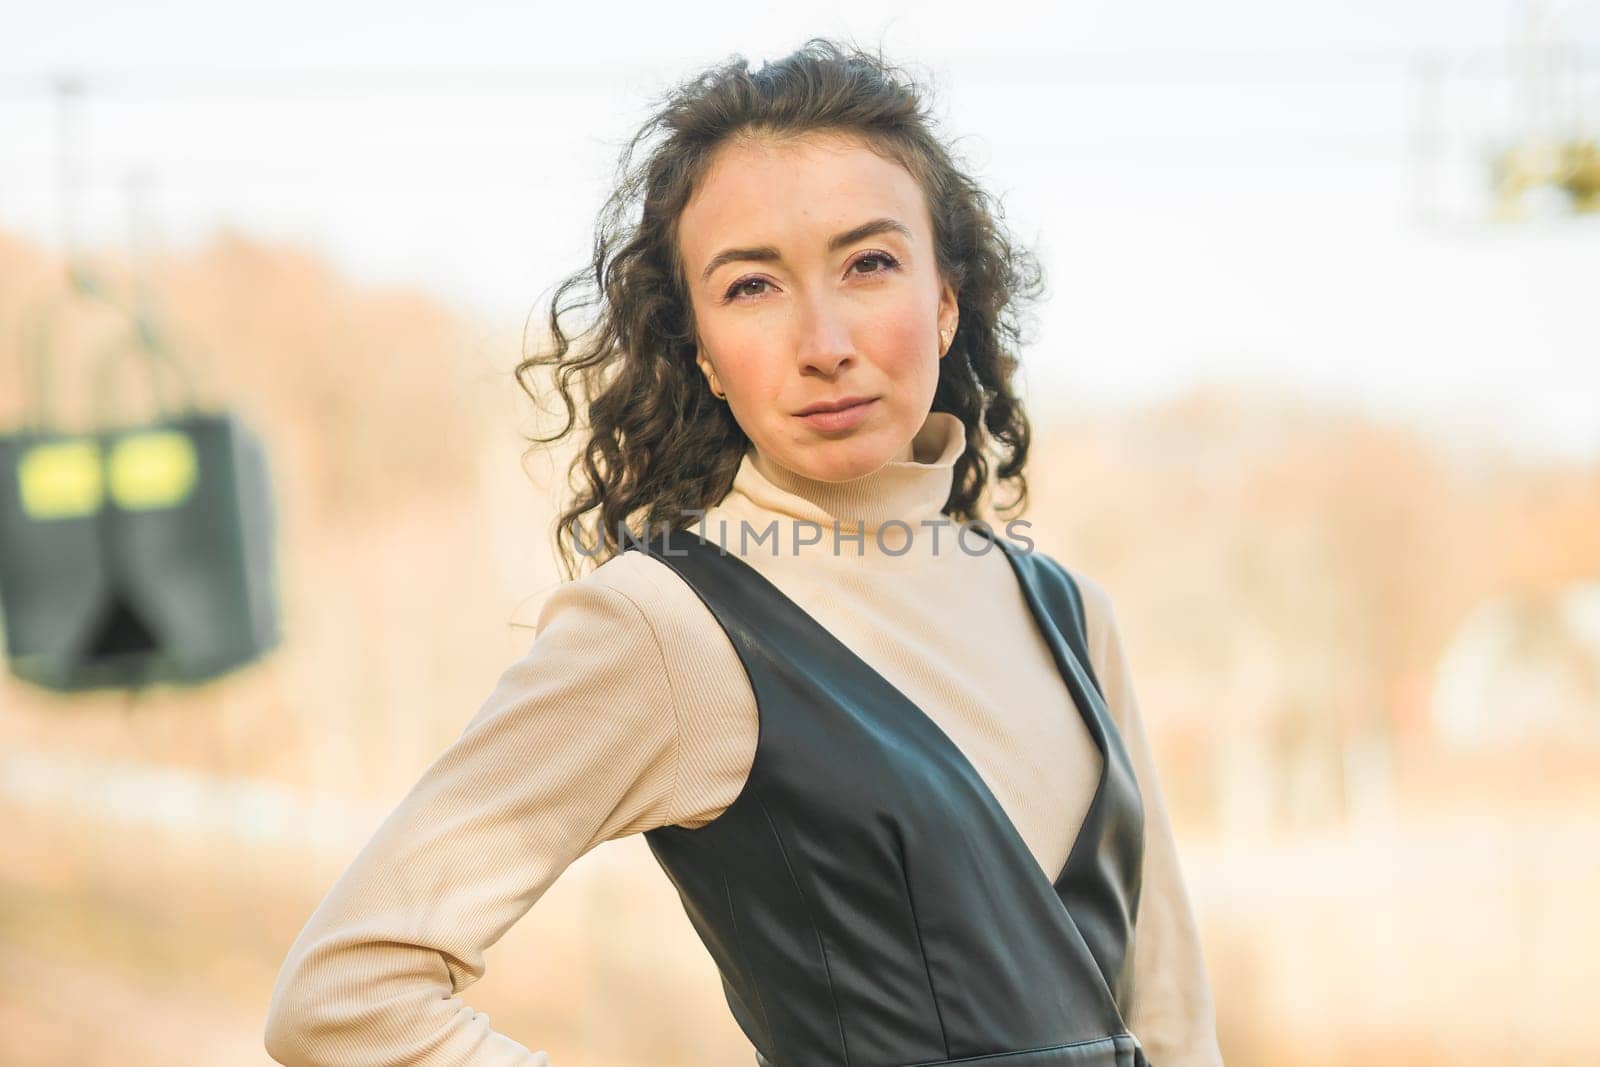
631, 710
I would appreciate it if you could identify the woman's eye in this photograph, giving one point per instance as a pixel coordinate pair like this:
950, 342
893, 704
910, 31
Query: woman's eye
737, 289
888, 261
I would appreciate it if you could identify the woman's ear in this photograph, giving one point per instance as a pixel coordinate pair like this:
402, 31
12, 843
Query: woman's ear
949, 317
711, 377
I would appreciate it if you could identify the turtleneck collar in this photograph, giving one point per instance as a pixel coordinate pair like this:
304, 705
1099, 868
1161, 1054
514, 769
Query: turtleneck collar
909, 490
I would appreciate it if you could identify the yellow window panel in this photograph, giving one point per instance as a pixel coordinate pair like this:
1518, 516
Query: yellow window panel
153, 470
61, 480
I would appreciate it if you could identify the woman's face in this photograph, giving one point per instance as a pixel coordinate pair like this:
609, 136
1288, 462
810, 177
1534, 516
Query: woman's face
811, 269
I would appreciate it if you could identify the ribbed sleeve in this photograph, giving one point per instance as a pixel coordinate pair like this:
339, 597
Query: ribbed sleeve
576, 744
1172, 1013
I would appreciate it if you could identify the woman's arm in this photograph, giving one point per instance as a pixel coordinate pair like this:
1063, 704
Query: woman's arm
577, 744
1172, 1014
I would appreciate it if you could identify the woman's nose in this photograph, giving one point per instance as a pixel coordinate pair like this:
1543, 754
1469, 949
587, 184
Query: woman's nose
825, 344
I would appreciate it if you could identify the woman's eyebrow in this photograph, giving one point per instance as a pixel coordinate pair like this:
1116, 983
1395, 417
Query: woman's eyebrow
766, 253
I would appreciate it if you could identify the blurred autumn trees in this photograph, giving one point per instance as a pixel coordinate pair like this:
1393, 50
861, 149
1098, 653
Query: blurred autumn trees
1287, 575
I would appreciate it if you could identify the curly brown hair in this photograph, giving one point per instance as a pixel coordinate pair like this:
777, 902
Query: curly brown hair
660, 446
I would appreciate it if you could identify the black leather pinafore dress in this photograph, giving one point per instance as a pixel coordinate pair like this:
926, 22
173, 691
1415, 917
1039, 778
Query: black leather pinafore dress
865, 897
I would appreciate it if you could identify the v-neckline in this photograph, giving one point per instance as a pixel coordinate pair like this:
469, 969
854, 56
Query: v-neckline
1077, 692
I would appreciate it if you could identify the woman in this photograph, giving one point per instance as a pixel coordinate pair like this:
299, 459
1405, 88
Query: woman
891, 761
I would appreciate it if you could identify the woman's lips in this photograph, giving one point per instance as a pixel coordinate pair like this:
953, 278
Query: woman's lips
843, 419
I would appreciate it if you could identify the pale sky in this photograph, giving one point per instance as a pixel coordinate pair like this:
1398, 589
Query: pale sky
1222, 191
